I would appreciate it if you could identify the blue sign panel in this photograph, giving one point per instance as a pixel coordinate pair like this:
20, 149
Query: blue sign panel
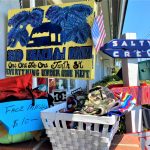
127, 44
21, 116
120, 53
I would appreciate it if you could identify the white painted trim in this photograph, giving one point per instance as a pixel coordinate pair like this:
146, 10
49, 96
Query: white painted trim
32, 3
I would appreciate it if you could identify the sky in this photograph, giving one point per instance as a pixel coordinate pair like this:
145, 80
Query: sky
137, 18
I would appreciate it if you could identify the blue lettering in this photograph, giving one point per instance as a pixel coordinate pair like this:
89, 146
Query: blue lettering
46, 54
80, 52
58, 55
15, 55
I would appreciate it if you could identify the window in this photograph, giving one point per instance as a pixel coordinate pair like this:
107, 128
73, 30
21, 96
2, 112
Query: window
53, 37
62, 84
67, 84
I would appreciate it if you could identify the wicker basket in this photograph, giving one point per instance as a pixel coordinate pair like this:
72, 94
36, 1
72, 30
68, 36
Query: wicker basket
92, 132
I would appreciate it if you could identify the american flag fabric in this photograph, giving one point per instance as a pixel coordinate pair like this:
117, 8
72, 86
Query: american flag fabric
98, 32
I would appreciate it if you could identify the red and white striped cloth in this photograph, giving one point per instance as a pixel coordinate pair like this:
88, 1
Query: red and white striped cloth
98, 32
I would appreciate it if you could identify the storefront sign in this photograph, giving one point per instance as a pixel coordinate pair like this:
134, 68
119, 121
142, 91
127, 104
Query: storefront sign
127, 48
128, 44
120, 53
21, 116
51, 41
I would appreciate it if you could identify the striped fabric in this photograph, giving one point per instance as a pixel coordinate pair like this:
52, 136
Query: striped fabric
98, 32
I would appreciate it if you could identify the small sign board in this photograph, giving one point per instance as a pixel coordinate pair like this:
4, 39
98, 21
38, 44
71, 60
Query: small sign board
21, 116
130, 53
127, 44
120, 48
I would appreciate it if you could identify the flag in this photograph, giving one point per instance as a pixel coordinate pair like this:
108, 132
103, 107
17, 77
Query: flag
98, 32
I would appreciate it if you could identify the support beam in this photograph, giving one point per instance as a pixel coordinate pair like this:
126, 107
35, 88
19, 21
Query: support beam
34, 79
131, 78
32, 3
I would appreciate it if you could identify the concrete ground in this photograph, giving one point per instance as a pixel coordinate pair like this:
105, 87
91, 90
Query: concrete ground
45, 144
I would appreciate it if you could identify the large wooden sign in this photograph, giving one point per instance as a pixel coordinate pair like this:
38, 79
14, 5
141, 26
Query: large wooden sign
51, 41
21, 116
120, 48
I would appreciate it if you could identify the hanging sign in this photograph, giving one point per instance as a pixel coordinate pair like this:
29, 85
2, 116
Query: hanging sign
127, 48
120, 53
51, 41
21, 116
127, 44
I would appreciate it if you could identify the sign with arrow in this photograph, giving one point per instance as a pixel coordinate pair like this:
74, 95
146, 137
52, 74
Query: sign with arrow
120, 53
120, 48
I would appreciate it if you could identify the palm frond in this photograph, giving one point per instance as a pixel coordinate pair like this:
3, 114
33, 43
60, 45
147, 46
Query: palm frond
73, 21
16, 35
18, 32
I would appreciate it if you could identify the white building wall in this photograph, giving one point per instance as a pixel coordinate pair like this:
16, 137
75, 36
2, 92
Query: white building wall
5, 5
103, 68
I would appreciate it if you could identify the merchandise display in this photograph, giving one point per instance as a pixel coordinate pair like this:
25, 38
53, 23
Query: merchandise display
57, 60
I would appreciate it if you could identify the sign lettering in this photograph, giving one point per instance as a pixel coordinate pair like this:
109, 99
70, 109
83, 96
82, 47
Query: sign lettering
127, 44
120, 53
119, 48
21, 116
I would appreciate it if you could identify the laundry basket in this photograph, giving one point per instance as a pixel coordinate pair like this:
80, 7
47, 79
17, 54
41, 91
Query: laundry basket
92, 132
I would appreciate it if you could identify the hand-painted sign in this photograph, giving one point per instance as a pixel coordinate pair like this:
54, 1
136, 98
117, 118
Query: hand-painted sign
127, 48
51, 41
21, 116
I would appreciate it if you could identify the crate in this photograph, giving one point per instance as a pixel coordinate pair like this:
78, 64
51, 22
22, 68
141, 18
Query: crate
92, 132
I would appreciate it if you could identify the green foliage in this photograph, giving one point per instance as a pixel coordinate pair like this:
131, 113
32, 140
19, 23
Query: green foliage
147, 81
112, 79
122, 127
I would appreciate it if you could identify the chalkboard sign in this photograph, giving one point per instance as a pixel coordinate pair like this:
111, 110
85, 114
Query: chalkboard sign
21, 116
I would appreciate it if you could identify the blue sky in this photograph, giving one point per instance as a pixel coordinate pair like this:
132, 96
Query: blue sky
138, 18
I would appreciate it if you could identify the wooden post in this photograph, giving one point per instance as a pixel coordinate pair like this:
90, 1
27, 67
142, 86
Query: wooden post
131, 78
